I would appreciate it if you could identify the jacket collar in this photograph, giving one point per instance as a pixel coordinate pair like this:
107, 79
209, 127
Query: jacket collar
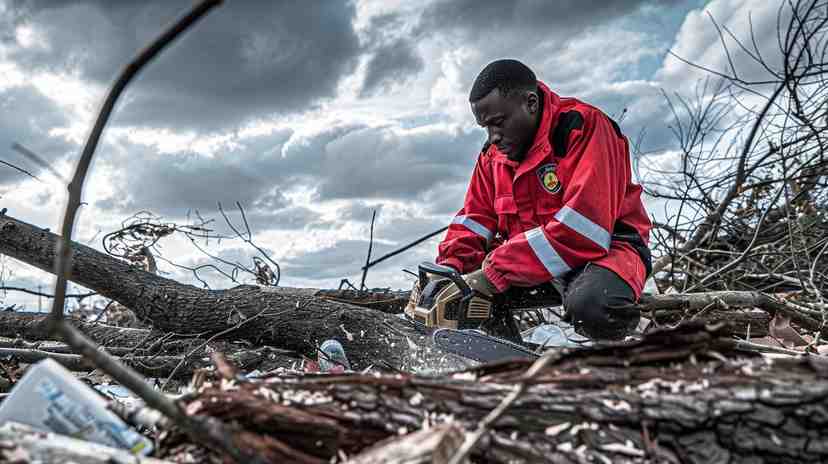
540, 146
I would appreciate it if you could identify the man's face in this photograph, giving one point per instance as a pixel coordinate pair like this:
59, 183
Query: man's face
510, 121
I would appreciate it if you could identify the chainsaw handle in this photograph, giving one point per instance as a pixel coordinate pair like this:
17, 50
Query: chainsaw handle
444, 271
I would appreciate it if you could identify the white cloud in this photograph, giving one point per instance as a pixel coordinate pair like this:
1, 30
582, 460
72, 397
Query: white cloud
331, 152
699, 42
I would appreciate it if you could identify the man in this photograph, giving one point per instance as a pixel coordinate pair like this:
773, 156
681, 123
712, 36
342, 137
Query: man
551, 198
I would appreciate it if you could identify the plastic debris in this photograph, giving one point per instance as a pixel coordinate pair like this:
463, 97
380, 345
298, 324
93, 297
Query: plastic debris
332, 357
553, 335
49, 398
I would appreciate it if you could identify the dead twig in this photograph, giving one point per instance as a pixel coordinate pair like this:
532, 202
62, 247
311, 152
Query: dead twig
368, 257
404, 248
19, 169
206, 342
37, 159
79, 296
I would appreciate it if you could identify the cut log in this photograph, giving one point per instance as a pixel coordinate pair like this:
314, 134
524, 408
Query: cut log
677, 397
293, 319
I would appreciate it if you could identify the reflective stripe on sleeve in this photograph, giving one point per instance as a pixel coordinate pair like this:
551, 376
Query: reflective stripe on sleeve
473, 226
584, 226
547, 255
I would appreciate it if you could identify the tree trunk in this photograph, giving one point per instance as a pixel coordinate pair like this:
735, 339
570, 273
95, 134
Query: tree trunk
293, 319
670, 398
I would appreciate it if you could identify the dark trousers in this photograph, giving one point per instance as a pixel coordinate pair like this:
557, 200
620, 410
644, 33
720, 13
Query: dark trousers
595, 300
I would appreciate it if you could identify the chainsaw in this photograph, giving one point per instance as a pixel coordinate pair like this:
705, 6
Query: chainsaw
463, 321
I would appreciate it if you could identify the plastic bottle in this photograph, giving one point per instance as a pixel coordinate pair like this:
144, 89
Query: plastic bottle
332, 355
50, 398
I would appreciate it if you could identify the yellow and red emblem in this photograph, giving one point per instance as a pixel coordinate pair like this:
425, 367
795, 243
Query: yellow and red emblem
548, 179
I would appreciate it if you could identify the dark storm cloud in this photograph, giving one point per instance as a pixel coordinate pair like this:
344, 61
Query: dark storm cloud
26, 117
381, 163
345, 258
483, 17
350, 162
359, 211
404, 230
190, 182
445, 200
288, 218
395, 62
244, 60
393, 58
173, 184
342, 259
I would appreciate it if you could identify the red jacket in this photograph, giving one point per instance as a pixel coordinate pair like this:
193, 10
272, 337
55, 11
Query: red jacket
558, 209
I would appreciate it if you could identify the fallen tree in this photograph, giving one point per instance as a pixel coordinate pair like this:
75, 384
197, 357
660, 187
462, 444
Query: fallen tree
300, 319
677, 396
293, 319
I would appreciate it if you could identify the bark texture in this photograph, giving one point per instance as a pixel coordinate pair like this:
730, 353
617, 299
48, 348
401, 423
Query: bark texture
293, 319
30, 326
430, 446
678, 396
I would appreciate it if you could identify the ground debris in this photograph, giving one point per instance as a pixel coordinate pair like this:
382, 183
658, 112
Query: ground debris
660, 399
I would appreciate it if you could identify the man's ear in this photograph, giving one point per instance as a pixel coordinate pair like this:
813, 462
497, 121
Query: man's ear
532, 102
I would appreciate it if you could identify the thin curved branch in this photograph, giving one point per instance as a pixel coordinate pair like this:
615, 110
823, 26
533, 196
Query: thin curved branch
207, 431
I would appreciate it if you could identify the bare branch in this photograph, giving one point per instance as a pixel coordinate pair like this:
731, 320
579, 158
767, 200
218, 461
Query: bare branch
19, 169
368, 257
79, 296
37, 159
208, 431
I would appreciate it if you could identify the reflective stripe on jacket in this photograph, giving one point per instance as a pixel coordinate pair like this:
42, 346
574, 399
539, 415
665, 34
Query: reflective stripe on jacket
560, 208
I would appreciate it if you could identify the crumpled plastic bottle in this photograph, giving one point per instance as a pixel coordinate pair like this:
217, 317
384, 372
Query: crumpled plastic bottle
552, 335
332, 357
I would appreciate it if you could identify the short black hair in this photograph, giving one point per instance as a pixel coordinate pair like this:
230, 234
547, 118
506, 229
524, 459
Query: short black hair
505, 75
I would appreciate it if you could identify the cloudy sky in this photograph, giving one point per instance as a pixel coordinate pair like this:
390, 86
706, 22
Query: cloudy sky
312, 114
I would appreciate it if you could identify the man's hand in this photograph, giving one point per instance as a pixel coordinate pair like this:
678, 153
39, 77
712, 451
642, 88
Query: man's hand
477, 281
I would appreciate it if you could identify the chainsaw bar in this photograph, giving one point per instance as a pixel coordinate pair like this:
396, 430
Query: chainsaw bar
479, 347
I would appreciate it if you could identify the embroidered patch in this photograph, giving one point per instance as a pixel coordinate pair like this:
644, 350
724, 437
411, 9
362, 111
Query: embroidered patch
548, 179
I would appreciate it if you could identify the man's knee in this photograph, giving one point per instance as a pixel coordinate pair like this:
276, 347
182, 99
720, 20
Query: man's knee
597, 304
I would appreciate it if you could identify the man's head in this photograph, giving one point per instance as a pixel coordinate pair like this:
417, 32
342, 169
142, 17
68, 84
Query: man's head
506, 102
